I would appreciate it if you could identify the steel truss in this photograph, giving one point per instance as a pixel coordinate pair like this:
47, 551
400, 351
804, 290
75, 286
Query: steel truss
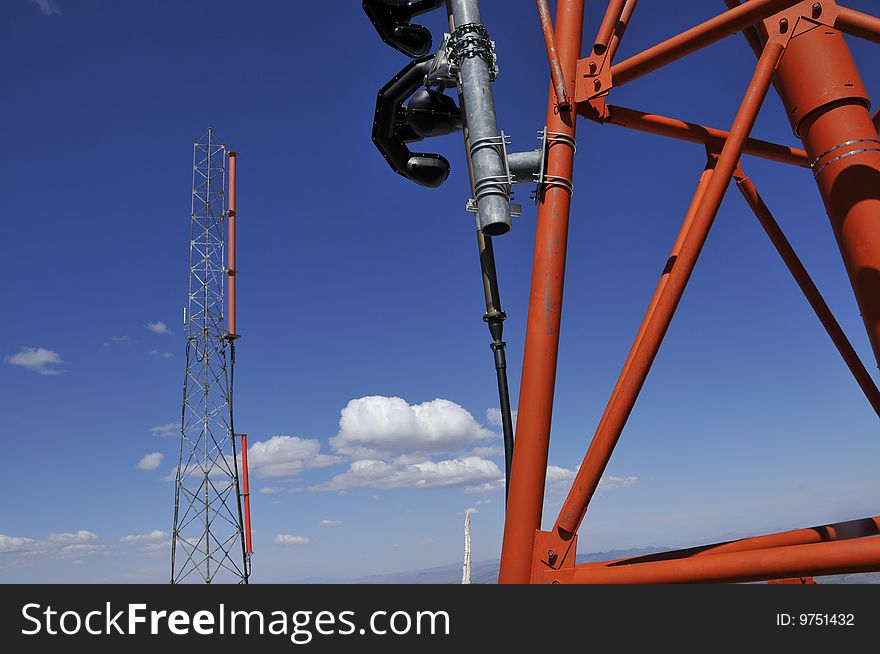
801, 50
208, 541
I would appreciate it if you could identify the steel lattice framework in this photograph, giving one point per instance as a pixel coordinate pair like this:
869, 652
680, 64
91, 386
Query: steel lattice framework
208, 541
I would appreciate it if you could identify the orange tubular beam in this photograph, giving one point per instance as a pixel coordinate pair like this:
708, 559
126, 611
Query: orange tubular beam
802, 277
715, 29
526, 494
709, 136
556, 73
608, 26
230, 313
827, 104
620, 28
876, 120
843, 557
820, 534
619, 408
858, 24
246, 495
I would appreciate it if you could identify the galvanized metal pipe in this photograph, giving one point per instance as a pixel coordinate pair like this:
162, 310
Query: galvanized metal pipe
478, 110
524, 165
495, 316
619, 408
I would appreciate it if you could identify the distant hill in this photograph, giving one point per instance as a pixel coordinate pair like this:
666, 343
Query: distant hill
486, 572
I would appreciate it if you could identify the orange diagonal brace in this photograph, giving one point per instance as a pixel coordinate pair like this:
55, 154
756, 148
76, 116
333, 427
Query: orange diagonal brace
828, 558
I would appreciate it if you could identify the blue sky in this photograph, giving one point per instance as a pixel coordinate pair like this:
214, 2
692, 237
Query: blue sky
355, 284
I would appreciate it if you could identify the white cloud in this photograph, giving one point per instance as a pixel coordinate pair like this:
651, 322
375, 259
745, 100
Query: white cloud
150, 461
330, 523
48, 7
159, 327
37, 359
168, 430
373, 473
160, 355
289, 539
157, 547
482, 502
377, 426
493, 416
486, 487
81, 536
270, 490
14, 543
65, 545
144, 538
488, 450
613, 483
122, 340
559, 479
283, 456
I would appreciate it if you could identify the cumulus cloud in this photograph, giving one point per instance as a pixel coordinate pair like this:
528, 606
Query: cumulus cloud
14, 543
374, 473
290, 539
125, 339
151, 537
270, 490
38, 360
64, 545
493, 416
159, 327
488, 450
150, 461
378, 426
284, 456
160, 355
485, 487
48, 7
330, 523
560, 479
168, 430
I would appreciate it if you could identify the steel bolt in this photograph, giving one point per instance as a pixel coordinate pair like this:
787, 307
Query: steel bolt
817, 10
597, 84
783, 25
551, 557
592, 67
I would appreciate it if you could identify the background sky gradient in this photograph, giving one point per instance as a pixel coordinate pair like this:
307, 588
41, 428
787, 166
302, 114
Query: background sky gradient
355, 283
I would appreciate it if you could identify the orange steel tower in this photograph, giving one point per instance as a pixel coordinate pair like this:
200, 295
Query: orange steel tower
800, 50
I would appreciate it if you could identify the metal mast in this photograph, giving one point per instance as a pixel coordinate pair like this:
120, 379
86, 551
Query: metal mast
208, 542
